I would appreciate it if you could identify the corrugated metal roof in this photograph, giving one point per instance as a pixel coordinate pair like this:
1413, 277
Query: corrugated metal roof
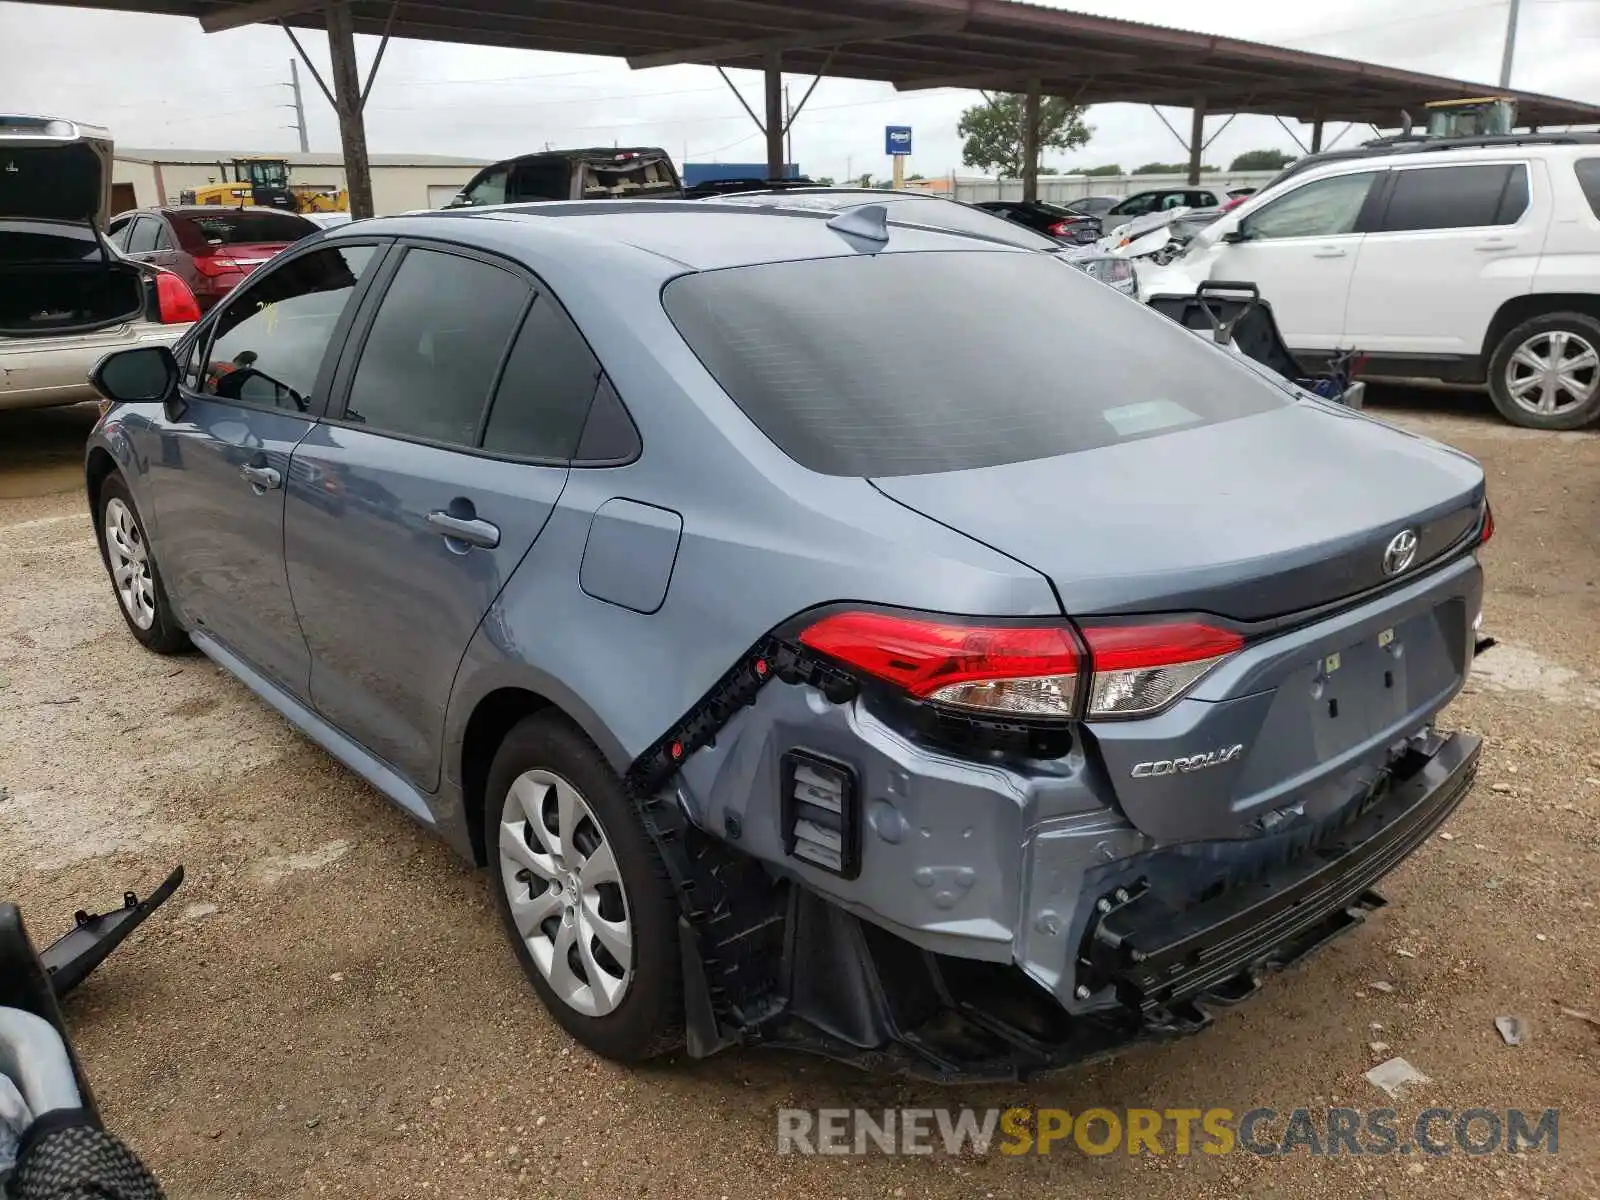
923, 43
293, 158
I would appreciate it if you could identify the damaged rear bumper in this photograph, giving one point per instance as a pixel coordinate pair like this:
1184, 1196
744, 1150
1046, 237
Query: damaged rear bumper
1148, 960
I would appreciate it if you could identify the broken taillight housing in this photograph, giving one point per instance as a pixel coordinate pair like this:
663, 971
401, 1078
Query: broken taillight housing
1487, 531
1027, 671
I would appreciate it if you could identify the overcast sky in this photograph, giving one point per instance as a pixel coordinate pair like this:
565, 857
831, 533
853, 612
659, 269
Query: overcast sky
160, 82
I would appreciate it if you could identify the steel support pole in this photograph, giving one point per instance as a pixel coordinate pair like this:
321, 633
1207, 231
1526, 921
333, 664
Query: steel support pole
1197, 139
1030, 142
774, 122
1316, 135
1510, 51
347, 103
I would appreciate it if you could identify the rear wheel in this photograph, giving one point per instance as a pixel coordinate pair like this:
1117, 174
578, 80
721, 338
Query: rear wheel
135, 578
1545, 373
583, 893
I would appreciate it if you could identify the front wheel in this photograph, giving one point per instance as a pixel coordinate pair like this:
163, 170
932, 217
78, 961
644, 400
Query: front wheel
1545, 373
583, 893
135, 578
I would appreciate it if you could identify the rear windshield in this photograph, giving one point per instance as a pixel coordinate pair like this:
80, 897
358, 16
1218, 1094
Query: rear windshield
239, 228
905, 364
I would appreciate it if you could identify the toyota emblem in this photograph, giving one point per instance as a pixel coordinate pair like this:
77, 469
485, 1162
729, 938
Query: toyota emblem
1401, 552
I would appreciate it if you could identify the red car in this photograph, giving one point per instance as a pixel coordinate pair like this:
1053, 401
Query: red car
209, 248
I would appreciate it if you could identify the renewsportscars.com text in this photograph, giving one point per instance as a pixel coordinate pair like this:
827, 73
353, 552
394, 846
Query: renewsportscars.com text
1264, 1132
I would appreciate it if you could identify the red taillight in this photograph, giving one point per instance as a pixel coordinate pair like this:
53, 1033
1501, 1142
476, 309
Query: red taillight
1028, 670
1059, 229
1488, 524
1139, 669
212, 265
175, 303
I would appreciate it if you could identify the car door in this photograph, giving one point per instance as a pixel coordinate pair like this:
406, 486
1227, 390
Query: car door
1300, 250
410, 507
1450, 245
252, 390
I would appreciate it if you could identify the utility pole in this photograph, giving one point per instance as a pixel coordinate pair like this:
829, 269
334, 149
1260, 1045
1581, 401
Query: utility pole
299, 107
1511, 44
788, 127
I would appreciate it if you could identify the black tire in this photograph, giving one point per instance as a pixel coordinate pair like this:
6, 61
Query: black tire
1575, 416
648, 1021
164, 635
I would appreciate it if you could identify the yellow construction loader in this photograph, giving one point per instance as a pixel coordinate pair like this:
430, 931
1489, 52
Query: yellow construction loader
264, 183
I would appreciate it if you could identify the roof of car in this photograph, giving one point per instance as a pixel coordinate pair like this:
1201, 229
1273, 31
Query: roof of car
696, 234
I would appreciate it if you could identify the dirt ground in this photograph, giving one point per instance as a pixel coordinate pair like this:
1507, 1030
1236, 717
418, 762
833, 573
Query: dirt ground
328, 1007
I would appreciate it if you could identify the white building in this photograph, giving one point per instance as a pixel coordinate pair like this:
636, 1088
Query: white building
400, 182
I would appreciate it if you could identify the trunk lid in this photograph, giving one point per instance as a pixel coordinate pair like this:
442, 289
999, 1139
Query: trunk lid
1262, 517
54, 170
1259, 517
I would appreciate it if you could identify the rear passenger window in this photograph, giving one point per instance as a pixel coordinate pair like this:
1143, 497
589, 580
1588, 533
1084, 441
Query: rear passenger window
435, 348
269, 342
1588, 170
544, 396
1455, 197
143, 236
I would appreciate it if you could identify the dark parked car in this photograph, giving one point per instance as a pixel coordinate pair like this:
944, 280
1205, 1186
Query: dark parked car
1140, 203
603, 173
821, 632
1053, 220
209, 248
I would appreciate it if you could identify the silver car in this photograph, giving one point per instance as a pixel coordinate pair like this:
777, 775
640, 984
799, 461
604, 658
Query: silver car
67, 298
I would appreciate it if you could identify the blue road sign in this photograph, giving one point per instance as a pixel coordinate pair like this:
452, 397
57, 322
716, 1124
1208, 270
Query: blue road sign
897, 140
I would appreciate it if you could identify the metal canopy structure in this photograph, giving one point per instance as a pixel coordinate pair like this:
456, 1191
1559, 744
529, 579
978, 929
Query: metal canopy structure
914, 44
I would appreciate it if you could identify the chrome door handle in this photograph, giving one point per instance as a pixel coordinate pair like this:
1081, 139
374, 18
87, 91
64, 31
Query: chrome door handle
1493, 245
473, 532
264, 478
1328, 252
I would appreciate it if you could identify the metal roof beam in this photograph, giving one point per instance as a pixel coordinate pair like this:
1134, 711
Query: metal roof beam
254, 13
873, 31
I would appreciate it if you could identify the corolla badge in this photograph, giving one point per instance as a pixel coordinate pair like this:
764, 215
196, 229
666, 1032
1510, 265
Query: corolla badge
1401, 552
1195, 762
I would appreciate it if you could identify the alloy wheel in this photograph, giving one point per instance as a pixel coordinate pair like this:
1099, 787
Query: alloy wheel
1552, 373
566, 893
130, 564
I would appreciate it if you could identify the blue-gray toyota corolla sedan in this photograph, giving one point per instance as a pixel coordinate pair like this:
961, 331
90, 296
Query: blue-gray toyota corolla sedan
828, 632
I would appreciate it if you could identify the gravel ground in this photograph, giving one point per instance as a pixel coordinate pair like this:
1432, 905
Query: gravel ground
327, 1006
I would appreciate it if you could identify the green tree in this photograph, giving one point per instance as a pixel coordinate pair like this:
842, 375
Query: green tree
1107, 169
825, 181
994, 131
1261, 160
916, 178
865, 181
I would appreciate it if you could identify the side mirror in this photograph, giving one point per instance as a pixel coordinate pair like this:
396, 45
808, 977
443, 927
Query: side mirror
1234, 236
141, 376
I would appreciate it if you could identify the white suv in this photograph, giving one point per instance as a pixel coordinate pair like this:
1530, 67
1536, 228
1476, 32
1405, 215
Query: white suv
1468, 265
